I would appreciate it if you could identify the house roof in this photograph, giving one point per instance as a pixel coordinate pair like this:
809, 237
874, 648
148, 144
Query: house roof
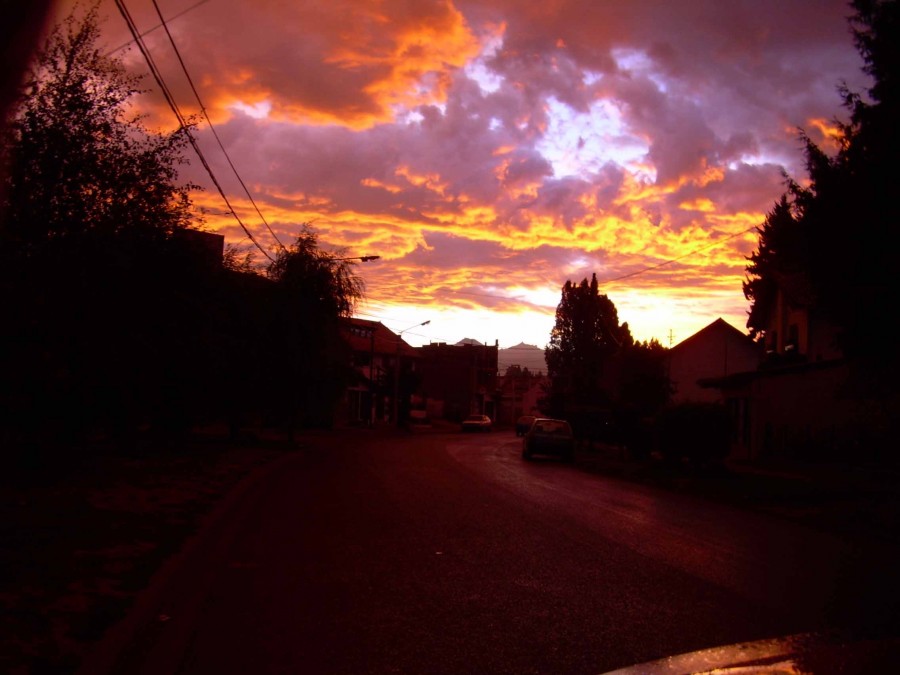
373, 336
717, 327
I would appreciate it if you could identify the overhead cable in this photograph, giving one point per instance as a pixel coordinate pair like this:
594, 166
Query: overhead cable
681, 257
126, 15
211, 127
150, 30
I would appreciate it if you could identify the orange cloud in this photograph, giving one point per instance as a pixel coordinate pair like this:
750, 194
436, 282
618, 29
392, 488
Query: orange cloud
700, 204
829, 131
371, 182
317, 103
431, 181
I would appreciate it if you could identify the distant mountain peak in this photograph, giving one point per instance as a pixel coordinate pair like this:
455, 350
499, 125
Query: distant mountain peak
524, 356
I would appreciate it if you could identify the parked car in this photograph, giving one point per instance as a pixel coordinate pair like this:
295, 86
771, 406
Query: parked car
419, 418
549, 437
476, 423
523, 424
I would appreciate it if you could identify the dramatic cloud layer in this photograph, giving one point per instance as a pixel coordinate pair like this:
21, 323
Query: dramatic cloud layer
489, 150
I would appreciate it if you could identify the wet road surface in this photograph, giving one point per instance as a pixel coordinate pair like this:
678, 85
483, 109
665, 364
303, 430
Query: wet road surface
447, 553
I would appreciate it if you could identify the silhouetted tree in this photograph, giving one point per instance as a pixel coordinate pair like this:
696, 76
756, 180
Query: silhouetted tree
782, 252
319, 285
837, 236
82, 166
581, 357
603, 381
584, 338
644, 386
313, 291
96, 310
113, 321
519, 373
644, 390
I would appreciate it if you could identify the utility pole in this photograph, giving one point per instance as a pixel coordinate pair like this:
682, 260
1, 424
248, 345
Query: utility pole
371, 420
396, 401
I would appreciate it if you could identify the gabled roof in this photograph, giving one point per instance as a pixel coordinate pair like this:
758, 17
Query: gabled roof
373, 336
718, 328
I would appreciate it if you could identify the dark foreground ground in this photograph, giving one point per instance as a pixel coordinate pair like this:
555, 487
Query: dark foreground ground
83, 533
83, 529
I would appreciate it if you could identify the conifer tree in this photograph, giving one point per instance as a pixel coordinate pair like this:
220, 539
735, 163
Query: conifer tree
839, 233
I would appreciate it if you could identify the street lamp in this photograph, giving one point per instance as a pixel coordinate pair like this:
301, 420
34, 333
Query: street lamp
362, 258
397, 369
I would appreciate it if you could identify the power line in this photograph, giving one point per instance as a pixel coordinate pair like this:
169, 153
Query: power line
159, 25
431, 338
211, 127
651, 268
126, 15
681, 257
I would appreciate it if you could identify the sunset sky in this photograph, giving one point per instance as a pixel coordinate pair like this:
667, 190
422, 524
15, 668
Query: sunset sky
490, 150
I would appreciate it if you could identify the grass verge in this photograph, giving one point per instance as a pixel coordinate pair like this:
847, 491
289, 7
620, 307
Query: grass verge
84, 529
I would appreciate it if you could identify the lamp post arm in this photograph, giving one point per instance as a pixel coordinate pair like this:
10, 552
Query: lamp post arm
361, 258
396, 406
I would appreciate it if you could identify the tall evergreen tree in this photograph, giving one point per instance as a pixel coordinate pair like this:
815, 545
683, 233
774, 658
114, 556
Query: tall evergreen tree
782, 251
583, 343
841, 231
603, 381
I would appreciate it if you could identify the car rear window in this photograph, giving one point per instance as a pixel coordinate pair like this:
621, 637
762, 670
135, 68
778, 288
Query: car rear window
552, 427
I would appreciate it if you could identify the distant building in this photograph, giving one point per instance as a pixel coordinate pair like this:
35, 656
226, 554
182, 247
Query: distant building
519, 393
377, 352
458, 380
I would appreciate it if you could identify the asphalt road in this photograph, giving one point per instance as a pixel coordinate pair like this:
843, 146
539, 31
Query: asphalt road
447, 553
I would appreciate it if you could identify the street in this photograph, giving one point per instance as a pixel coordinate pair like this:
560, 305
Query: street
446, 553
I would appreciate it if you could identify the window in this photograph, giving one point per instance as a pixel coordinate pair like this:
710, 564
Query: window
793, 341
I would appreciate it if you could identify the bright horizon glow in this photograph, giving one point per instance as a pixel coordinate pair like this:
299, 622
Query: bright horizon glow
668, 319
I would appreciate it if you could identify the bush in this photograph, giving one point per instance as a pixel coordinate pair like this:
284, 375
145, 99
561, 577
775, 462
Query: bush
699, 432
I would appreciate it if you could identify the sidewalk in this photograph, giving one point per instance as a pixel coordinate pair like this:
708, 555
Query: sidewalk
840, 498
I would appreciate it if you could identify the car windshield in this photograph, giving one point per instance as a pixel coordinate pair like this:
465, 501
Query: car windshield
552, 427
